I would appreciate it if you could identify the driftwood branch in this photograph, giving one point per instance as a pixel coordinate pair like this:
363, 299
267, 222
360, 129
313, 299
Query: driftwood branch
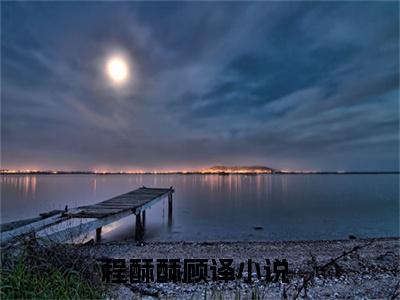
322, 269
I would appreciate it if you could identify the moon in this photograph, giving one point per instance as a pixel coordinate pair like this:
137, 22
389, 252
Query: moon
117, 69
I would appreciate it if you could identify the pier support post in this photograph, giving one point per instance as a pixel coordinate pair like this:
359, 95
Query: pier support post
98, 235
143, 219
170, 209
139, 228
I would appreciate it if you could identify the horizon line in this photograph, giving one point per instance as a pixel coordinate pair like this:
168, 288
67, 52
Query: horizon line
207, 171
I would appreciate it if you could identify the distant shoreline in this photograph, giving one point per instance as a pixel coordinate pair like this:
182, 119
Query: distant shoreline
198, 173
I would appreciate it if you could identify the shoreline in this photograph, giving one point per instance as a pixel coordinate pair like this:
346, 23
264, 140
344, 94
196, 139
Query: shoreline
370, 269
255, 241
205, 173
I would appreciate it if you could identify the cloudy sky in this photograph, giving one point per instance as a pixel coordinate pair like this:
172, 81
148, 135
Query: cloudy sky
296, 85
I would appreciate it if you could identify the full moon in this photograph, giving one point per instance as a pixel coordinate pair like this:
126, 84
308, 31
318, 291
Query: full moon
117, 69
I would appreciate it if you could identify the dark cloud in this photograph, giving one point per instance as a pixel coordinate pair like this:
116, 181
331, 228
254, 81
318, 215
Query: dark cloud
303, 85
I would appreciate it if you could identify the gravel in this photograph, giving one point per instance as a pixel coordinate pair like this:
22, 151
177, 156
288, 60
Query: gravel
369, 271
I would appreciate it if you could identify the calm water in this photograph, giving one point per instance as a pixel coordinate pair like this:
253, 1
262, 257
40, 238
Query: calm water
211, 207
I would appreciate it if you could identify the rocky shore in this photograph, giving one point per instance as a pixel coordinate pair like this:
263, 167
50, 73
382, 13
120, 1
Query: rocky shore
354, 268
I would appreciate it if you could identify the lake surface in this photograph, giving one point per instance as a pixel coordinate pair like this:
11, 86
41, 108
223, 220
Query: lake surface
215, 207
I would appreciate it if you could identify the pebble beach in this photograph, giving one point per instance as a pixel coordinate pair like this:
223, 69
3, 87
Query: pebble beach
342, 269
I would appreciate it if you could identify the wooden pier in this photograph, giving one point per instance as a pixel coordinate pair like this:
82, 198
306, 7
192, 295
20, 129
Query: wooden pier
61, 226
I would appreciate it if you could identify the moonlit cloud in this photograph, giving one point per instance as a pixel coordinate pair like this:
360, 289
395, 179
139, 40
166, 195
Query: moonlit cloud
288, 85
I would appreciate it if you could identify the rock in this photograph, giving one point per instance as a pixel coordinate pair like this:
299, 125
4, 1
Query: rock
257, 227
352, 237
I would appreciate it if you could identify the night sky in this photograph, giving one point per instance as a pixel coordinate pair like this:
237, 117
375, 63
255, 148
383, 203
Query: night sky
296, 85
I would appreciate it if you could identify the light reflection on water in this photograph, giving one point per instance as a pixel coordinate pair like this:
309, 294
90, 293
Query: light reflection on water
211, 207
23, 185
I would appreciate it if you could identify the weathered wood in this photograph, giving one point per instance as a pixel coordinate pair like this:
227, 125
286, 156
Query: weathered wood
109, 206
68, 234
138, 228
15, 224
31, 227
51, 213
95, 210
93, 217
148, 204
170, 209
98, 235
137, 201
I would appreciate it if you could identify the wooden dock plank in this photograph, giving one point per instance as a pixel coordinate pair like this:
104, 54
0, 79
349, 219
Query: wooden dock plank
100, 219
30, 227
99, 214
131, 200
110, 205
